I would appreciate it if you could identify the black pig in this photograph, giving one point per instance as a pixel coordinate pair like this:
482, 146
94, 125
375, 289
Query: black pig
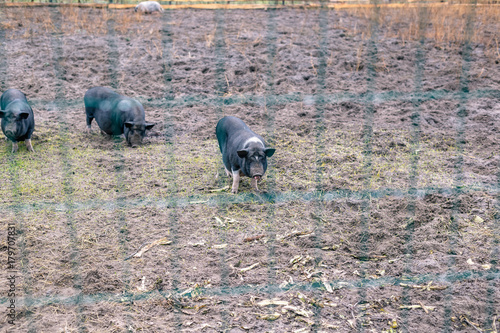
116, 114
243, 151
18, 121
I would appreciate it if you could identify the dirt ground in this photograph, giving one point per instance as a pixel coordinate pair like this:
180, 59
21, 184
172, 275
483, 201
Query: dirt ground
379, 211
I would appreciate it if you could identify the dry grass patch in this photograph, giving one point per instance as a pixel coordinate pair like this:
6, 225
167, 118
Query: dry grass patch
443, 24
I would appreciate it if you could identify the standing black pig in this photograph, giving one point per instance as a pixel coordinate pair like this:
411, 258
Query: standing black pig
18, 121
243, 151
116, 114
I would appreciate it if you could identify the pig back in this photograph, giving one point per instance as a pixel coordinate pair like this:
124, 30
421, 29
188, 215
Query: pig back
11, 95
126, 109
94, 97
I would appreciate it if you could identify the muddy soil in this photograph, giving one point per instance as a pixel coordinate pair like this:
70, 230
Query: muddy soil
379, 211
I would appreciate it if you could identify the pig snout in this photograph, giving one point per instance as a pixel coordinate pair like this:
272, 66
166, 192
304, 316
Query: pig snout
257, 171
134, 143
11, 129
134, 140
10, 134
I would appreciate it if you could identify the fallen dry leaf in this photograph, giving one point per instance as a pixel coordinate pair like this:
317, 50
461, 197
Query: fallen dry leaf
249, 267
144, 248
272, 302
271, 317
253, 238
298, 311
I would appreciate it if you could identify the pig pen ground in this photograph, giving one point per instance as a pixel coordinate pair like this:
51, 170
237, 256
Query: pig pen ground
379, 210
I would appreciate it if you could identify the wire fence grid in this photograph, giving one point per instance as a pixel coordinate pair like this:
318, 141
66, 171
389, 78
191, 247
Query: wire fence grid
318, 198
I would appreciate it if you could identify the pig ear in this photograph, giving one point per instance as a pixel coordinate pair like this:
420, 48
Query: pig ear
2, 113
269, 151
149, 126
242, 153
24, 115
129, 124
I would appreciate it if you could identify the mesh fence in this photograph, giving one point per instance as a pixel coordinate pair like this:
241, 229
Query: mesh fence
402, 237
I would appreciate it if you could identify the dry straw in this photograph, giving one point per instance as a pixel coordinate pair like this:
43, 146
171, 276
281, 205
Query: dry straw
445, 23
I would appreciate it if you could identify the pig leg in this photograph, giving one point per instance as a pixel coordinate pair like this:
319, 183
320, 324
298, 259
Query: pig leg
236, 181
254, 184
106, 135
227, 172
89, 119
28, 145
14, 147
